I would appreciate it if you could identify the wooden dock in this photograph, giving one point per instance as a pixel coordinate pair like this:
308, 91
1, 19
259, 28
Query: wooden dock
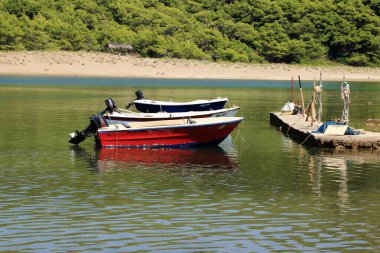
296, 127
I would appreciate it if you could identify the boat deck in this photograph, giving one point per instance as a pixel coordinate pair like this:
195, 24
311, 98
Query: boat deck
296, 127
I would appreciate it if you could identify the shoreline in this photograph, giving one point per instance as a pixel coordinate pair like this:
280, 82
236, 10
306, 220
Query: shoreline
91, 64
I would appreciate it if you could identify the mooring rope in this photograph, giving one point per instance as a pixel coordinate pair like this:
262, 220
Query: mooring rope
290, 125
242, 138
306, 139
287, 132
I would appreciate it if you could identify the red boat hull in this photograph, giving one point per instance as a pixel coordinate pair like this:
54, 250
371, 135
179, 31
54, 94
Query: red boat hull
173, 136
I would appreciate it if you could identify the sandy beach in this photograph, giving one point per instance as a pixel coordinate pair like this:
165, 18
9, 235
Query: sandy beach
111, 65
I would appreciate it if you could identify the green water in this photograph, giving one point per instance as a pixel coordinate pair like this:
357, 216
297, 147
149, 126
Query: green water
257, 192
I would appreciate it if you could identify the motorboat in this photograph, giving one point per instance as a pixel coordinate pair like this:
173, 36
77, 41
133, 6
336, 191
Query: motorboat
122, 116
168, 133
152, 106
113, 120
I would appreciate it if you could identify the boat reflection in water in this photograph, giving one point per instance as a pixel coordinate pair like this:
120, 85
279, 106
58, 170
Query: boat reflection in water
214, 157
222, 157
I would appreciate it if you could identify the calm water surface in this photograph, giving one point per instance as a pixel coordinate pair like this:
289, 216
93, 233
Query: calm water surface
257, 192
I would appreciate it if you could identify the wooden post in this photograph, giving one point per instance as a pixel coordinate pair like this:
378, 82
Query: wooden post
319, 92
310, 111
345, 90
302, 101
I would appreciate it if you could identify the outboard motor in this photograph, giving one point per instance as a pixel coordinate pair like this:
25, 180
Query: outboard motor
111, 105
139, 95
96, 122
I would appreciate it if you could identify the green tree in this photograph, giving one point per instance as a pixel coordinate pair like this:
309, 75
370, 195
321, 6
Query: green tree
11, 32
231, 30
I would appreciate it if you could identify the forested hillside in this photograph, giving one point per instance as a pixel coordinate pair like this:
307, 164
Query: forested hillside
290, 31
